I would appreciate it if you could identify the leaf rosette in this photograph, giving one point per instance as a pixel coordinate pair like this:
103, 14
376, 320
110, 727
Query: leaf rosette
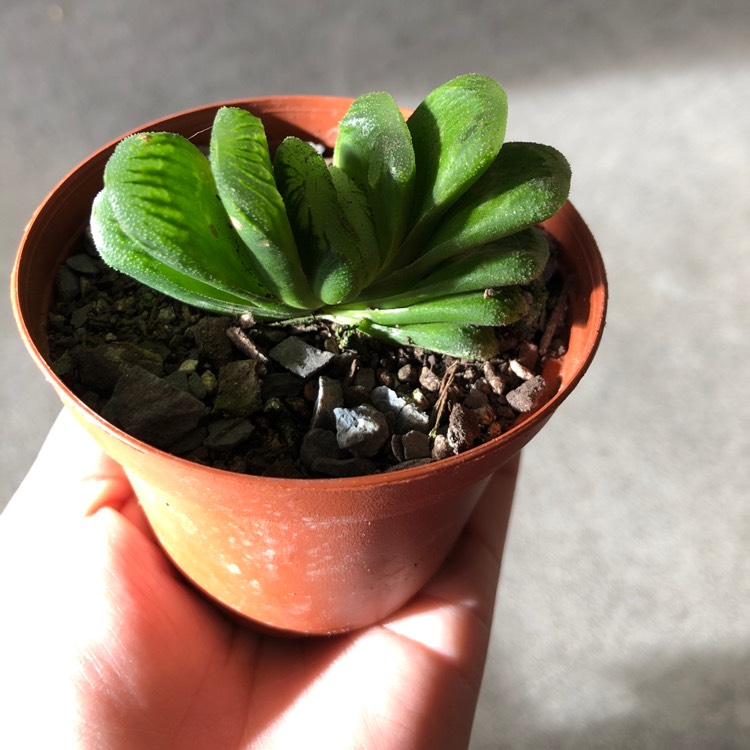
419, 231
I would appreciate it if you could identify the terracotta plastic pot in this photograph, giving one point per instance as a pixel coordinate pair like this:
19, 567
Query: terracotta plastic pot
308, 556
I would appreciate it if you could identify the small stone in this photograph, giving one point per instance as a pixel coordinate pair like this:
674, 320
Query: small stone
412, 418
410, 464
476, 399
151, 409
247, 320
193, 441
494, 379
238, 391
298, 407
83, 264
365, 378
319, 443
384, 378
528, 355
528, 395
397, 447
416, 445
210, 334
80, 316
362, 431
485, 414
331, 345
299, 357
189, 366
100, 367
441, 448
282, 385
179, 380
519, 370
429, 380
310, 390
67, 285
227, 434
55, 322
387, 400
494, 430
166, 315
463, 428
355, 395
64, 365
196, 387
420, 399
209, 382
330, 397
407, 374
407, 415
126, 306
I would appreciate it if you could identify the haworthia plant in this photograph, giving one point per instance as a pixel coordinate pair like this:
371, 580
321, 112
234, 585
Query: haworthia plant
419, 231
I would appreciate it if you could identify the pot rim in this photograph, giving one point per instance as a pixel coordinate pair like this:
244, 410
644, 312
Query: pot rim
286, 105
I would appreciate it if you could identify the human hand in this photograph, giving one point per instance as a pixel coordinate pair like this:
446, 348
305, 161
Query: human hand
105, 645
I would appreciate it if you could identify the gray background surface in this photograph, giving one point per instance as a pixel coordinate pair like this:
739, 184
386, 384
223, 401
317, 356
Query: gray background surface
623, 617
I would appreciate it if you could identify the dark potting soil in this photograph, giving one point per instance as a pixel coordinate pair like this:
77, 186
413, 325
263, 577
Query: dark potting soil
306, 400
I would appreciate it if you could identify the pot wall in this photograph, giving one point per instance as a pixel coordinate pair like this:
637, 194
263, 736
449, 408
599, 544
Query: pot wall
310, 556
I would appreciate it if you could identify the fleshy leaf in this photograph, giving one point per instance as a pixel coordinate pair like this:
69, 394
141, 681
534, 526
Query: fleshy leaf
127, 255
374, 148
354, 204
499, 307
457, 131
526, 184
163, 194
327, 243
464, 342
241, 164
514, 260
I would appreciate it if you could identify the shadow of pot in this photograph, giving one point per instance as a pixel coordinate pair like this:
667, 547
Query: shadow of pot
306, 556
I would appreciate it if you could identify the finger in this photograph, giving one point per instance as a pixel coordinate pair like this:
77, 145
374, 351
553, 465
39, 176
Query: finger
70, 479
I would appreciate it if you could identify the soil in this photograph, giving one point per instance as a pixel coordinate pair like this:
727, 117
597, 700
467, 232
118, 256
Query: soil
306, 400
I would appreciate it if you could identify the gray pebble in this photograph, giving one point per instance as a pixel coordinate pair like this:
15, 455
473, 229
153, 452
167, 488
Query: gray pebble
226, 434
319, 443
362, 431
151, 409
299, 357
238, 392
416, 445
330, 397
528, 395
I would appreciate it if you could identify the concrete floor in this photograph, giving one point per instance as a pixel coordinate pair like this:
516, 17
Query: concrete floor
623, 617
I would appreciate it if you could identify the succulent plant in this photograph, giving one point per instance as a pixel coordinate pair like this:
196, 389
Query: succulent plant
420, 231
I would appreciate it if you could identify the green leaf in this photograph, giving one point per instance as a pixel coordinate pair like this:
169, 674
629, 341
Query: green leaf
499, 307
163, 195
463, 342
128, 256
514, 260
354, 204
526, 184
374, 148
457, 131
241, 164
327, 242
